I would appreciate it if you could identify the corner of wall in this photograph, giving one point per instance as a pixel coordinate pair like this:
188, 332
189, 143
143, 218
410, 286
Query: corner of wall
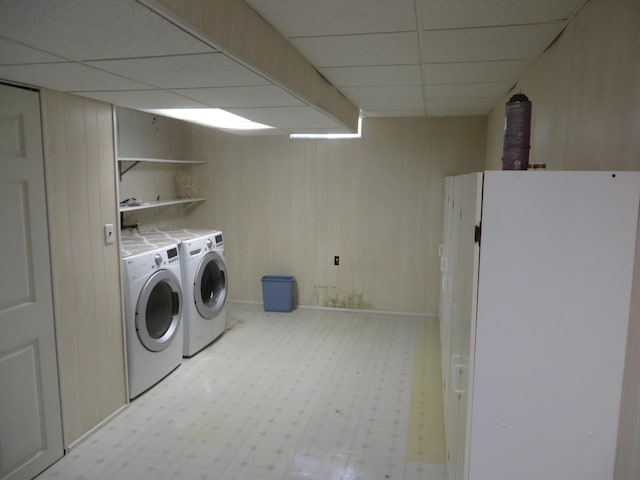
80, 179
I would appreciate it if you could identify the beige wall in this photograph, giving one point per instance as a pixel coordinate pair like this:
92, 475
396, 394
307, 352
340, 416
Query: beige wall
585, 92
152, 136
288, 206
80, 180
586, 116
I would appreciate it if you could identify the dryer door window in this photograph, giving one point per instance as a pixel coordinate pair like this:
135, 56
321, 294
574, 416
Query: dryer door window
210, 285
158, 311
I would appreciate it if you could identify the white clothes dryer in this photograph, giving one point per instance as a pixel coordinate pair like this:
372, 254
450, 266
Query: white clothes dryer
153, 315
204, 277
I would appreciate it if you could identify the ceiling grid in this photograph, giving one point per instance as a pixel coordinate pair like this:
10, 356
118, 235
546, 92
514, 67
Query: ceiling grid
387, 57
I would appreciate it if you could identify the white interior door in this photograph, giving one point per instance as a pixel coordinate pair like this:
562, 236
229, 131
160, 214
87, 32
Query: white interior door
30, 418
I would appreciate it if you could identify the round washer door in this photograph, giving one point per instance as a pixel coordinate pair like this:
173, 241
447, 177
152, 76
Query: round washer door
210, 285
158, 311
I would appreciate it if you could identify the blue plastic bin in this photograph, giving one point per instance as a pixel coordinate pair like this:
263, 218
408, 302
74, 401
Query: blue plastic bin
277, 293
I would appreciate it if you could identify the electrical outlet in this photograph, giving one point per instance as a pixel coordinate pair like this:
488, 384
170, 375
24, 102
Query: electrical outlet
336, 260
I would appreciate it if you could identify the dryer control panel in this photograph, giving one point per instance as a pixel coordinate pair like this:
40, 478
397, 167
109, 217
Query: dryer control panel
172, 255
219, 242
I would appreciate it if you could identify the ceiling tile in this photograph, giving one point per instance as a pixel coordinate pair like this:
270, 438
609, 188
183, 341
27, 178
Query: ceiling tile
480, 44
394, 113
289, 118
461, 104
242, 97
67, 77
467, 90
94, 29
295, 18
204, 70
474, 72
373, 76
407, 97
457, 112
12, 53
143, 99
443, 14
369, 49
355, 50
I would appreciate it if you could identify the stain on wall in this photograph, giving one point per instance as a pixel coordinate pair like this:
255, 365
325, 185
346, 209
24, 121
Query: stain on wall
326, 296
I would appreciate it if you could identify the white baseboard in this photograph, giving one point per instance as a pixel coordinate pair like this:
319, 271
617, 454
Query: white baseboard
336, 309
86, 435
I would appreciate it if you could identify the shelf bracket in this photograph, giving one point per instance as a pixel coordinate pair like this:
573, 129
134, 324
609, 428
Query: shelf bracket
123, 171
189, 206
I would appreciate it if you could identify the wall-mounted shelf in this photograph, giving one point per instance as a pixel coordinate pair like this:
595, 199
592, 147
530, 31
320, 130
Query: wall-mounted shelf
136, 160
156, 160
187, 202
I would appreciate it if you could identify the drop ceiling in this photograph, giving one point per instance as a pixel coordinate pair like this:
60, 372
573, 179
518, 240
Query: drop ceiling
389, 58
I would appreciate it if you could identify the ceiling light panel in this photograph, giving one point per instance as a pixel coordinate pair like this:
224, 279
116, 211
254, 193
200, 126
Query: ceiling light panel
204, 70
290, 118
367, 76
297, 18
67, 77
443, 14
357, 50
94, 29
211, 117
488, 44
321, 131
243, 97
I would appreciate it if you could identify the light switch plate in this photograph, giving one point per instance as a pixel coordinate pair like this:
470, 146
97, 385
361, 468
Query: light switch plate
108, 234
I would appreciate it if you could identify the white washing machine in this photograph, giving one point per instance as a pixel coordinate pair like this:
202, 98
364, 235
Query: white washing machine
204, 279
153, 314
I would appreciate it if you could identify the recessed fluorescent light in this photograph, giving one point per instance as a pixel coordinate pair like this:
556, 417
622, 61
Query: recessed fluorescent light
211, 117
331, 135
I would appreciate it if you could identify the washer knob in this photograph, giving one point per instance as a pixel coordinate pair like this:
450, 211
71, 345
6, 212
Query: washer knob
209, 243
158, 259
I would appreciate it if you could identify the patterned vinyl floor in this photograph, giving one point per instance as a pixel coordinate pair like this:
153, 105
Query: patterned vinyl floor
310, 394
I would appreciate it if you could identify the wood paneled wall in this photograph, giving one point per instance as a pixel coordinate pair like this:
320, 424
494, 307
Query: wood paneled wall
80, 179
146, 135
585, 93
287, 207
586, 116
